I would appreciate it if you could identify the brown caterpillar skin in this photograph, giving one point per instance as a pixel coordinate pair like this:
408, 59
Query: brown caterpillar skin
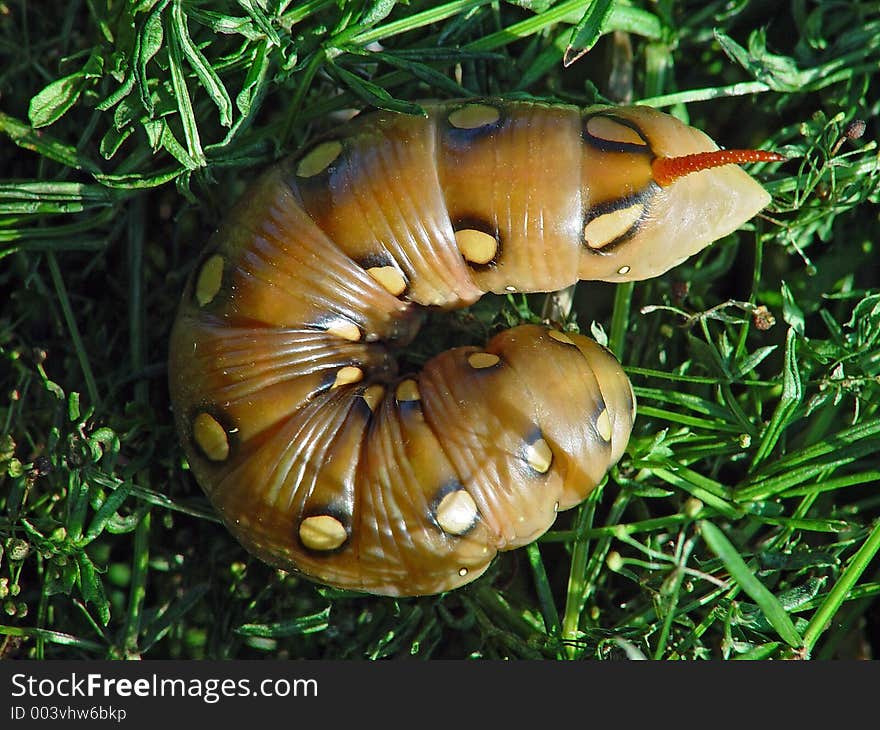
321, 459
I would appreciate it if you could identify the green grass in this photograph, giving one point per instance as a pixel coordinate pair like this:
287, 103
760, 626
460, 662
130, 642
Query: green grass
741, 523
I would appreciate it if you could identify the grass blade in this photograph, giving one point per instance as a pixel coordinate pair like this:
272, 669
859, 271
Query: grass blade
588, 30
838, 594
745, 578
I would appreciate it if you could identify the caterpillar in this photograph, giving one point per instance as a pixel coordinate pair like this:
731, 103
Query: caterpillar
319, 456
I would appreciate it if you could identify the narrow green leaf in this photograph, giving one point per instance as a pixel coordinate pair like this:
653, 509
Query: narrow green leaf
832, 526
630, 19
792, 395
361, 37
799, 595
838, 594
248, 100
59, 191
50, 104
623, 294
588, 30
250, 89
112, 140
77, 505
92, 588
73, 410
792, 314
118, 95
149, 41
226, 24
136, 181
752, 360
106, 511
184, 103
292, 627
545, 593
829, 485
780, 73
47, 198
164, 620
623, 17
714, 92
867, 433
374, 94
376, 12
733, 49
138, 587
421, 71
27, 242
686, 420
209, 78
55, 99
685, 479
72, 327
766, 488
53, 637
745, 579
685, 400
763, 651
175, 149
261, 20
43, 144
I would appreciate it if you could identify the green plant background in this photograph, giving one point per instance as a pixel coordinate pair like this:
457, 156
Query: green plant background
741, 523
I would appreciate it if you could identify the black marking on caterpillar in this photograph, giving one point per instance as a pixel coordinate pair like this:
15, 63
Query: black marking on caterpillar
642, 197
467, 222
605, 145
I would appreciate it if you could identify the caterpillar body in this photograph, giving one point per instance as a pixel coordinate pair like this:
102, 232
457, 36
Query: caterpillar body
319, 457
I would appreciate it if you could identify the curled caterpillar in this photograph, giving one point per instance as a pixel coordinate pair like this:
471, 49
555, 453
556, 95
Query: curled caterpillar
319, 457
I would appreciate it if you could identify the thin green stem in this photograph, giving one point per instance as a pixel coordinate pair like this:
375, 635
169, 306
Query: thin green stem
838, 594
72, 327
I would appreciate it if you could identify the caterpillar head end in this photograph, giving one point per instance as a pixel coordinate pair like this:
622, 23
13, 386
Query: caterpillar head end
681, 193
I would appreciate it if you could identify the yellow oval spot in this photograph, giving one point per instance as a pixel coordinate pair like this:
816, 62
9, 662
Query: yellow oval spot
603, 425
539, 456
408, 390
347, 375
319, 159
476, 246
473, 116
457, 512
322, 532
373, 396
481, 360
624, 270
603, 229
613, 131
209, 280
390, 279
560, 337
346, 330
211, 437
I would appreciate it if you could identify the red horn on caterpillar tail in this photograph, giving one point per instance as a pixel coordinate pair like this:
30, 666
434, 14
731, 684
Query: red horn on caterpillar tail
669, 169
319, 456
